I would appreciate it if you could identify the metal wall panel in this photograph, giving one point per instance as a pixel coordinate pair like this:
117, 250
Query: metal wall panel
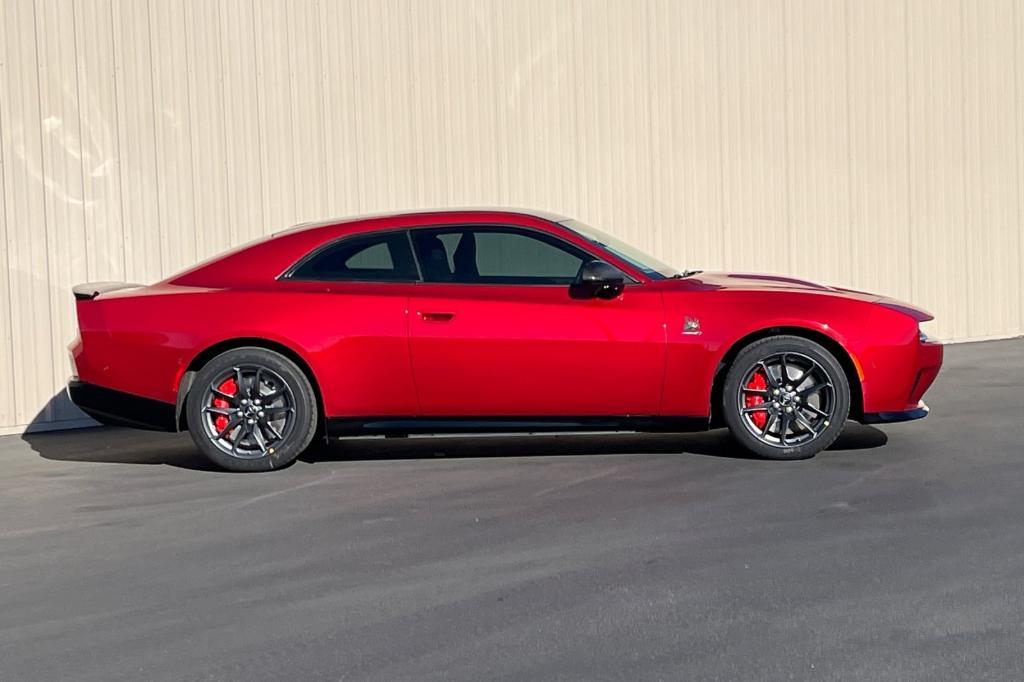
875, 144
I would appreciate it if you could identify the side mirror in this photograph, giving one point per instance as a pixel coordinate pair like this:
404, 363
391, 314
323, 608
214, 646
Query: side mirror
597, 279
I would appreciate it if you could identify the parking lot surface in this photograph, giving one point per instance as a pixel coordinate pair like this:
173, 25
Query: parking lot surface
899, 553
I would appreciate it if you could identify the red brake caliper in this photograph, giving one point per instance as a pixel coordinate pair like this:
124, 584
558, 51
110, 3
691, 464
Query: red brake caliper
758, 382
229, 387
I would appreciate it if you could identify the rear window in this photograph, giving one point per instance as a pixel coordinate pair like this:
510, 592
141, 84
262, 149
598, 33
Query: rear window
370, 258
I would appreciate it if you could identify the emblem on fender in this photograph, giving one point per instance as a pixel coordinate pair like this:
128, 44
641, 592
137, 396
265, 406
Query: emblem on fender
691, 325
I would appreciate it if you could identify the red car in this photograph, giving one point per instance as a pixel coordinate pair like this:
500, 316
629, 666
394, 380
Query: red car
486, 320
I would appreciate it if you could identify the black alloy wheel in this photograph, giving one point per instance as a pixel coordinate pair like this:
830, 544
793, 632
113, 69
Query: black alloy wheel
786, 397
251, 409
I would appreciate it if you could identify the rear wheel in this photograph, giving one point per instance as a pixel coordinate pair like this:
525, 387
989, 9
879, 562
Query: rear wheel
786, 397
251, 409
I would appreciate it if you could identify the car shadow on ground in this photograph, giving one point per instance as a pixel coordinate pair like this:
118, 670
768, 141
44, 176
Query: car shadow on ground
128, 446
716, 443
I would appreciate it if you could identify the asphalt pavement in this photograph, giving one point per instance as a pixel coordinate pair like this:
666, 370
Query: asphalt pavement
898, 554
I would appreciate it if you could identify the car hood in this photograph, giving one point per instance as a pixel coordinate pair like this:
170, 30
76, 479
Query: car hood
756, 282
733, 281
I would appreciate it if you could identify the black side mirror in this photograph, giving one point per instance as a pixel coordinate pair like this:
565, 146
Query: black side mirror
597, 279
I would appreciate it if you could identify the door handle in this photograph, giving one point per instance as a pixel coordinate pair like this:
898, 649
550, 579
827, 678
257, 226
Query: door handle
437, 317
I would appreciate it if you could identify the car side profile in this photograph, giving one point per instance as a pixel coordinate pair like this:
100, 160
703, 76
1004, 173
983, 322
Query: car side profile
486, 320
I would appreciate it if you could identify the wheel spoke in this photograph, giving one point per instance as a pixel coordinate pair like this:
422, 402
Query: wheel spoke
756, 391
800, 379
239, 382
805, 422
257, 433
785, 420
756, 408
814, 389
815, 410
244, 431
273, 431
772, 381
783, 370
772, 418
282, 409
232, 423
224, 411
273, 395
254, 390
233, 399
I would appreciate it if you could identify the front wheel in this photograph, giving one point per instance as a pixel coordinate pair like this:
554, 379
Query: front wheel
786, 397
251, 409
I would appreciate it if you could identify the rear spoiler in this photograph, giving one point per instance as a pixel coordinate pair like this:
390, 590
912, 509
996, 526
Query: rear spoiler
90, 290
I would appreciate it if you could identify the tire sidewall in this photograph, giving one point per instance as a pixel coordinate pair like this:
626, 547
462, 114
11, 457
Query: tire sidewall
305, 409
746, 360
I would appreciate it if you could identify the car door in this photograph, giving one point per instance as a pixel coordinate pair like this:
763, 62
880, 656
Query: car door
495, 332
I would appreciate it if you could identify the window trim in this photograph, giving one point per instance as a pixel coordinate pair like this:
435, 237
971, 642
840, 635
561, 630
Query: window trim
289, 274
629, 279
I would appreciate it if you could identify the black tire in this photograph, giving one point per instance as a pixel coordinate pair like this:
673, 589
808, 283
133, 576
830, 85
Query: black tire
286, 424
778, 434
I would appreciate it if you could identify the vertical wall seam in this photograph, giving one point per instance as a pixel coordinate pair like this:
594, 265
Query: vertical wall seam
1020, 163
7, 254
720, 101
191, 136
156, 142
969, 281
291, 101
326, 152
574, 102
659, 236
226, 189
81, 135
787, 159
260, 117
48, 408
117, 142
356, 158
910, 192
847, 59
263, 227
418, 156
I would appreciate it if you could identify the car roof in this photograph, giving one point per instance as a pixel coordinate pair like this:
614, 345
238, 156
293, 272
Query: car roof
455, 213
266, 258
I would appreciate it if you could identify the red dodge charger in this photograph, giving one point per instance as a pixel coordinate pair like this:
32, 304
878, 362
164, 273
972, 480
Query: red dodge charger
486, 320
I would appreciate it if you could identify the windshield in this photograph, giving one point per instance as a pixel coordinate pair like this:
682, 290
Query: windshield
649, 265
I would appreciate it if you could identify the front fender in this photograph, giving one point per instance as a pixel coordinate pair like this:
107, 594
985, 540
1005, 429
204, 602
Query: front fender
728, 321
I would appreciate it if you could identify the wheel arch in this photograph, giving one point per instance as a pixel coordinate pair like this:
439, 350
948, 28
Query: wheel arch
833, 346
210, 352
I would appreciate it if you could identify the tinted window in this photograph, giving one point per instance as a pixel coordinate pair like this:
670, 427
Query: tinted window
651, 266
495, 256
372, 258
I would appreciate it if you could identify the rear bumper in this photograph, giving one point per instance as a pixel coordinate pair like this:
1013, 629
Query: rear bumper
117, 408
919, 412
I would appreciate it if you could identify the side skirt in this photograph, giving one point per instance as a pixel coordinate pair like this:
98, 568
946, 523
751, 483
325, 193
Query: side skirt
340, 427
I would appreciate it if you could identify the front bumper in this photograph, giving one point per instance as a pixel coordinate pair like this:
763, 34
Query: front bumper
919, 412
117, 408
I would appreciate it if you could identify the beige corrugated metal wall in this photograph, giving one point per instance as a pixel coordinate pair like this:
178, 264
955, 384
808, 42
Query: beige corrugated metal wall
875, 144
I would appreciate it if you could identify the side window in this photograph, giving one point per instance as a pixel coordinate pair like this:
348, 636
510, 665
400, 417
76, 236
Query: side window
495, 256
371, 258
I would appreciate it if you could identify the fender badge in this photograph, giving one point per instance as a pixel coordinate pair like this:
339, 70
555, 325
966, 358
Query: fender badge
691, 325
